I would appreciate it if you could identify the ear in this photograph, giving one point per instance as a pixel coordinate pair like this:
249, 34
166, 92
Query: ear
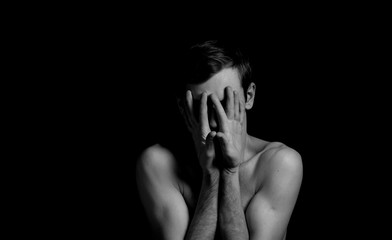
250, 96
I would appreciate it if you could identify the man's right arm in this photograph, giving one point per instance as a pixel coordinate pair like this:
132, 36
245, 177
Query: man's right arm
164, 204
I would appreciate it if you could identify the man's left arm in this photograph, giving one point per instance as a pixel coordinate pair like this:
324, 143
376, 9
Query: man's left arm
270, 209
232, 221
232, 138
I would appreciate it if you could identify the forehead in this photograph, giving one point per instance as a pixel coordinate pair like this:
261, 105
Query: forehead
217, 83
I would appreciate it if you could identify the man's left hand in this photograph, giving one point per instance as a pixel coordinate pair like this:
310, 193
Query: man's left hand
232, 134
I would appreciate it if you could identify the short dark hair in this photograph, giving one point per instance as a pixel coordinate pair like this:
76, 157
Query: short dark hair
207, 58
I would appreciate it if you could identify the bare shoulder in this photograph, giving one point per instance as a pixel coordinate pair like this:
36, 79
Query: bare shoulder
156, 161
282, 155
276, 157
282, 165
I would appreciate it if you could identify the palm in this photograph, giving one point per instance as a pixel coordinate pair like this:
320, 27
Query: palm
232, 134
233, 147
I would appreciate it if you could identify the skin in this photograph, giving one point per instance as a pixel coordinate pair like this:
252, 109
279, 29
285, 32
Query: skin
247, 192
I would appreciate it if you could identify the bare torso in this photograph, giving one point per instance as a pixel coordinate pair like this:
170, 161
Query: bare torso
252, 173
263, 183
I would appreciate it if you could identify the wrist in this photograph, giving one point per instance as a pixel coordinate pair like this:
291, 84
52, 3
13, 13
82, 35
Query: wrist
230, 172
211, 176
230, 176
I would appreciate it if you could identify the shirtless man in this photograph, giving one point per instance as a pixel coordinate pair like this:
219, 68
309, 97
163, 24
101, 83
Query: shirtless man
248, 186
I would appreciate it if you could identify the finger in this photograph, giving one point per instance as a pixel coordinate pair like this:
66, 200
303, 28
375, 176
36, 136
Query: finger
189, 107
242, 111
229, 102
220, 112
203, 111
236, 106
210, 143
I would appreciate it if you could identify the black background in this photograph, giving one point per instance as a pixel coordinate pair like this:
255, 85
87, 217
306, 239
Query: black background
112, 84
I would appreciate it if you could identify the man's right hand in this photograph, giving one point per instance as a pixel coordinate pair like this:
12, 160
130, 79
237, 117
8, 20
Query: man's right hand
200, 130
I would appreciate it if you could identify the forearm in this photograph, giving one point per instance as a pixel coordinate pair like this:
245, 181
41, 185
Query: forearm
232, 222
204, 223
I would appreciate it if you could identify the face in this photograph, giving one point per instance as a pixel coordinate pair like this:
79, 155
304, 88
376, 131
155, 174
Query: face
216, 84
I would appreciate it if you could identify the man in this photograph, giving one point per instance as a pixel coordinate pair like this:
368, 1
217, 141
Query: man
243, 187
